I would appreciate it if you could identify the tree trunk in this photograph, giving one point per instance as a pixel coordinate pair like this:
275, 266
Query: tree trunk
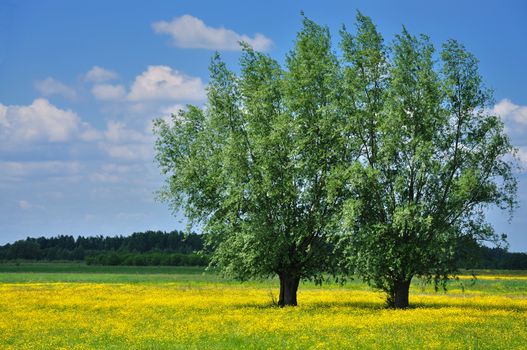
288, 288
398, 297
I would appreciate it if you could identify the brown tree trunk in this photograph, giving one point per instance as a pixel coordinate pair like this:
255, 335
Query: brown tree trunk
398, 297
288, 288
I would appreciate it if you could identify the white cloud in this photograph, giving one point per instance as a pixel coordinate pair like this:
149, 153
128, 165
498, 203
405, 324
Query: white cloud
522, 156
24, 205
124, 143
43, 122
108, 92
138, 108
515, 119
89, 217
3, 115
191, 32
173, 109
50, 86
155, 84
18, 170
122, 216
97, 74
39, 121
88, 133
509, 111
129, 151
117, 132
114, 173
167, 113
163, 83
104, 177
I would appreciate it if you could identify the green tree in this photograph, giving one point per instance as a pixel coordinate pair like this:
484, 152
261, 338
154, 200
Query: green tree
433, 158
25, 249
255, 167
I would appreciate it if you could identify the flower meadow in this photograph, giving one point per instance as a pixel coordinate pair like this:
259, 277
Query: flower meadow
204, 313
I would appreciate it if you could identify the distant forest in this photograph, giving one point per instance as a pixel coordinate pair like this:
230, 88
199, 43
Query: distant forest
140, 249
179, 249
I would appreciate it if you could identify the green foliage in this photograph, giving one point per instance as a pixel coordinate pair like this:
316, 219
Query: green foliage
257, 166
389, 150
166, 248
24, 250
432, 157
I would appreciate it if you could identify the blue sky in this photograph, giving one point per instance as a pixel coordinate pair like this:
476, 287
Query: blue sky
81, 81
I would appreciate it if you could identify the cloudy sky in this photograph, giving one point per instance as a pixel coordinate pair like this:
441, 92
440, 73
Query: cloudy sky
80, 83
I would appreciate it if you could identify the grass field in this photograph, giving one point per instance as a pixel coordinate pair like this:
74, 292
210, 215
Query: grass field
73, 306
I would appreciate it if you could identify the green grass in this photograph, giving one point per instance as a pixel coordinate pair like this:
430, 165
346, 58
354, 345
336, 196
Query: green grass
53, 272
29, 272
75, 306
81, 267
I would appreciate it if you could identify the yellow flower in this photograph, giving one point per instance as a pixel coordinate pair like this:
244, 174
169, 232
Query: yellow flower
178, 315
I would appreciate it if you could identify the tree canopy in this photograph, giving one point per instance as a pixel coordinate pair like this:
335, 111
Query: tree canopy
433, 158
378, 161
255, 165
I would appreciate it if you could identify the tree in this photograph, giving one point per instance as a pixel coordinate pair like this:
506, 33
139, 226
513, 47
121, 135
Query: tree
255, 167
25, 249
433, 158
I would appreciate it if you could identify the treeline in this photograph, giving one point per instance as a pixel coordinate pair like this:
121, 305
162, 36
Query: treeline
497, 258
179, 249
140, 248
147, 259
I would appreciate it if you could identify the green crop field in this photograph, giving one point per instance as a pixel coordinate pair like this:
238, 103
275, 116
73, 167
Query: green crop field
74, 306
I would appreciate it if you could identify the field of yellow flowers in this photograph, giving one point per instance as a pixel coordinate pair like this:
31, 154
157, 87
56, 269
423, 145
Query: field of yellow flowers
202, 313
